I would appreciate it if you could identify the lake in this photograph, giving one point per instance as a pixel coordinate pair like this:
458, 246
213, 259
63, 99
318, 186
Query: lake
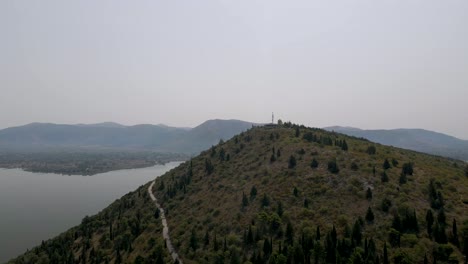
39, 206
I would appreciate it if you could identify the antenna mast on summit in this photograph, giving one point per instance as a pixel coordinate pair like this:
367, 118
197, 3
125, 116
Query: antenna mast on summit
272, 118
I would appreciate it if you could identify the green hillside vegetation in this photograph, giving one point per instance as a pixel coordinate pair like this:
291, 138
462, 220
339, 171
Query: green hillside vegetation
285, 194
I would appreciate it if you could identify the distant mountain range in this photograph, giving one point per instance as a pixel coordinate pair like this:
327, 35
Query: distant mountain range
161, 138
113, 136
414, 139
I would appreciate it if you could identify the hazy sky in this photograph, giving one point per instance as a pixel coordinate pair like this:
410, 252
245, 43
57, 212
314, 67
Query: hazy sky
368, 64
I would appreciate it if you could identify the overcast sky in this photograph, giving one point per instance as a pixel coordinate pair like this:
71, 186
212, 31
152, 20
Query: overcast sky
367, 64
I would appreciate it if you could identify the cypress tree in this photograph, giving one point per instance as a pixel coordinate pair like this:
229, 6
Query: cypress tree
369, 194
334, 235
369, 215
253, 192
455, 240
289, 234
245, 200
207, 238
193, 240
266, 247
384, 177
272, 158
357, 233
292, 162
215, 244
295, 191
403, 178
344, 146
429, 222
317, 233
385, 254
441, 217
279, 209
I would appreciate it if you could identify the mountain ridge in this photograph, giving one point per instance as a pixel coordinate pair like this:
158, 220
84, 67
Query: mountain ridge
417, 139
160, 138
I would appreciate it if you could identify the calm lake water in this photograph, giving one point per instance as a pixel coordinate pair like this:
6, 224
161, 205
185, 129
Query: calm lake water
38, 206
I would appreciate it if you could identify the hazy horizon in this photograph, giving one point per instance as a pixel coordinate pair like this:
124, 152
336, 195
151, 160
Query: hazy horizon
365, 64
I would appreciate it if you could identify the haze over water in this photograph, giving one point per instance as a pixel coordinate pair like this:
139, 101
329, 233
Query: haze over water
36, 207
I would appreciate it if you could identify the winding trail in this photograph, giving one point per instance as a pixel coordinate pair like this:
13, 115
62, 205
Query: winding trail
167, 238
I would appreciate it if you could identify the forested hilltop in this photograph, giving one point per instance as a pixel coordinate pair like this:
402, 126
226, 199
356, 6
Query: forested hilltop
284, 194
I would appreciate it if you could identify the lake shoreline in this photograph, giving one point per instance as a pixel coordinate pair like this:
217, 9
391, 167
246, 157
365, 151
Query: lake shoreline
38, 207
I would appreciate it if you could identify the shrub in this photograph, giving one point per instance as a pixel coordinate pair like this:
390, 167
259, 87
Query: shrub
371, 150
314, 164
385, 204
407, 168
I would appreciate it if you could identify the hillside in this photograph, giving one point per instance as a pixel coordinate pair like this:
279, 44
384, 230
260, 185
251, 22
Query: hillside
111, 136
415, 139
284, 194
